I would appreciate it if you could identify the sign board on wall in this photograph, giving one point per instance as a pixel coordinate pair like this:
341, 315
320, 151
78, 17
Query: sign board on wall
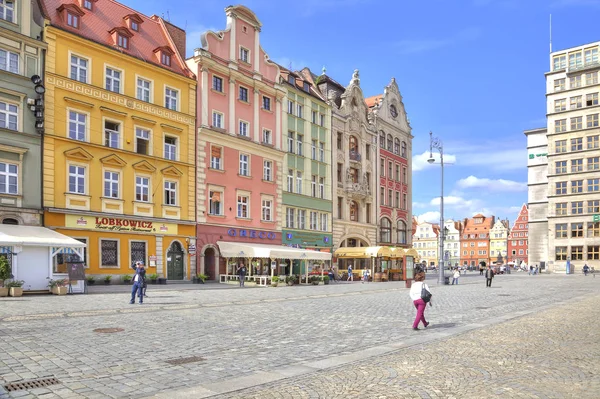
119, 225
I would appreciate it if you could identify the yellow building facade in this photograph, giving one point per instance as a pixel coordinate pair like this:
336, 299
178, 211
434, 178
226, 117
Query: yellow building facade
119, 145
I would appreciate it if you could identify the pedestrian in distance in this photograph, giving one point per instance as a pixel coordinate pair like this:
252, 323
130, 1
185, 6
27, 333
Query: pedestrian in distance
416, 291
241, 271
365, 276
145, 286
481, 270
530, 270
455, 276
139, 280
586, 269
489, 275
350, 275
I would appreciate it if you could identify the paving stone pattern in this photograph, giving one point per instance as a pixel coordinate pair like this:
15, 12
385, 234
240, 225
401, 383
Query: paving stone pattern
260, 336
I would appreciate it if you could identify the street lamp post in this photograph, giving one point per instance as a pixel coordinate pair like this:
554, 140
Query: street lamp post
436, 143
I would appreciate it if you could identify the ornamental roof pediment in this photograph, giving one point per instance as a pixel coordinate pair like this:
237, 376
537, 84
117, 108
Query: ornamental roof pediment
78, 153
144, 166
113, 160
172, 171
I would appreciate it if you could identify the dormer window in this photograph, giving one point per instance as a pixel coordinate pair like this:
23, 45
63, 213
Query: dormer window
165, 59
122, 41
133, 21
121, 37
135, 26
72, 20
292, 80
164, 55
71, 14
87, 4
306, 87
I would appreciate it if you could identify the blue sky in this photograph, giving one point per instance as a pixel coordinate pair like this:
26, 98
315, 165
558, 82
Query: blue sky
470, 71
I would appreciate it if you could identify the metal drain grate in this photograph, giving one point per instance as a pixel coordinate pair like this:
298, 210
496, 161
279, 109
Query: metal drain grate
108, 330
33, 384
185, 360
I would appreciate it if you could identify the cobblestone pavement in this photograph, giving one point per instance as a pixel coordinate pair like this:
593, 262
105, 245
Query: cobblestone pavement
339, 340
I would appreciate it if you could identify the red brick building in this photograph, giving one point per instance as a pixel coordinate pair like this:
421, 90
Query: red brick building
518, 238
475, 240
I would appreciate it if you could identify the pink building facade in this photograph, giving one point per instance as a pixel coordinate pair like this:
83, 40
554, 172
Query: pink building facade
518, 238
239, 154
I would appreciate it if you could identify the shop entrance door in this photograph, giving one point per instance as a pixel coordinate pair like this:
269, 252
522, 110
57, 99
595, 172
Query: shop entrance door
175, 262
209, 264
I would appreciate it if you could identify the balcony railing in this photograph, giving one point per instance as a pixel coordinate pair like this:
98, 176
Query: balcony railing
354, 156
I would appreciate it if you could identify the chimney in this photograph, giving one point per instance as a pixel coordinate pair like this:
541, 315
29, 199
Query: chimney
178, 36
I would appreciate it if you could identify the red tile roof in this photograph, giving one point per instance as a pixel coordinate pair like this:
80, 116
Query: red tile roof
374, 100
108, 16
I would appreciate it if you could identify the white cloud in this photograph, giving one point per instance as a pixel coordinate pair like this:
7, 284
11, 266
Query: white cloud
452, 201
431, 217
419, 161
498, 185
419, 205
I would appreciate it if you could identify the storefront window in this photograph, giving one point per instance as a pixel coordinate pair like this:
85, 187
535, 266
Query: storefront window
109, 253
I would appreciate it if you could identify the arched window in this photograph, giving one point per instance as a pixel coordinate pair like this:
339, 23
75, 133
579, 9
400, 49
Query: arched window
389, 142
354, 211
353, 144
402, 233
10, 221
385, 230
403, 149
396, 146
382, 139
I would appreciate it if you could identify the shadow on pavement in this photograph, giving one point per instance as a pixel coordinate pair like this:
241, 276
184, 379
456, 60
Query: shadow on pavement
442, 325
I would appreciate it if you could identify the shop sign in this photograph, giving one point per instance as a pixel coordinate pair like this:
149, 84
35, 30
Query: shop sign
119, 225
251, 234
192, 249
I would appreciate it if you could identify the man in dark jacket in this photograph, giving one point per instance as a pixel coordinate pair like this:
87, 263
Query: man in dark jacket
242, 273
138, 283
489, 275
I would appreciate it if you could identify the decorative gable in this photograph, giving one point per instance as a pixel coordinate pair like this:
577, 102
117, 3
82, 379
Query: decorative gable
113, 160
78, 153
171, 171
144, 166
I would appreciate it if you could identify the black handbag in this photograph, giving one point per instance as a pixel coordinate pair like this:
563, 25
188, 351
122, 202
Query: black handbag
425, 294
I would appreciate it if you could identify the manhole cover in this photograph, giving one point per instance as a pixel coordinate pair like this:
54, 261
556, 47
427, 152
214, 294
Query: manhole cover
482, 307
108, 330
185, 360
33, 384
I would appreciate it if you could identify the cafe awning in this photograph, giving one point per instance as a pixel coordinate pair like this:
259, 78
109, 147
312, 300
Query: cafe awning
412, 252
248, 250
363, 252
34, 236
397, 253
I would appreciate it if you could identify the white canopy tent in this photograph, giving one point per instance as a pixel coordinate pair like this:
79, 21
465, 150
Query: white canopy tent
32, 249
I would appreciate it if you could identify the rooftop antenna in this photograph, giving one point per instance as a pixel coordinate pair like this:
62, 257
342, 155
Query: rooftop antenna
550, 33
168, 16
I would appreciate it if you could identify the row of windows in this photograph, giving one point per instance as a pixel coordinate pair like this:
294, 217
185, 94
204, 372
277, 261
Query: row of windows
112, 185
577, 230
109, 253
472, 236
593, 252
593, 206
390, 171
385, 231
296, 219
591, 78
392, 199
218, 86
593, 185
296, 146
244, 164
80, 71
481, 252
577, 59
593, 163
393, 145
297, 109
317, 184
243, 209
244, 128
576, 102
592, 143
560, 125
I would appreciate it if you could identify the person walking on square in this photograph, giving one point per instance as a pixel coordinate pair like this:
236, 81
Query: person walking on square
350, 275
586, 269
420, 304
481, 270
365, 276
139, 280
455, 276
489, 275
241, 271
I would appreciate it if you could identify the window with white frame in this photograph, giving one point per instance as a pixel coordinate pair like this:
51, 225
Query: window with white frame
87, 4
299, 144
313, 186
171, 148
76, 179
9, 177
109, 253
244, 55
171, 96
321, 152
242, 206
112, 134
111, 184
113, 80
289, 218
217, 120
290, 181
9, 116
591, 78
559, 84
314, 116
560, 105
577, 123
244, 129
9, 61
591, 55
267, 136
291, 142
301, 219
560, 125
217, 84
122, 41
591, 99
314, 224
165, 59
324, 222
267, 210
143, 89
77, 125
290, 107
321, 187
215, 202
268, 170
170, 193
79, 68
575, 81
142, 188
593, 142
575, 60
7, 10
216, 157
299, 182
322, 120
72, 20
299, 111
313, 150
244, 169
142, 141
559, 62
592, 120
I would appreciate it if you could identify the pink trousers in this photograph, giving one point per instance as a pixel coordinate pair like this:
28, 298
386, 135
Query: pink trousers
420, 305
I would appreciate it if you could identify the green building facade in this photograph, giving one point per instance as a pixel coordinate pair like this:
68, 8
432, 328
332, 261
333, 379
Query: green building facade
307, 186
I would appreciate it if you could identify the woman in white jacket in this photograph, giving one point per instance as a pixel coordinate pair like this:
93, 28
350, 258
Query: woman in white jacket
415, 295
455, 276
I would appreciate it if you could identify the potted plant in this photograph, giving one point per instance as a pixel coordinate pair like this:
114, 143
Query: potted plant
153, 277
127, 279
91, 280
325, 280
15, 287
58, 287
289, 280
4, 275
202, 278
274, 281
315, 280
107, 279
